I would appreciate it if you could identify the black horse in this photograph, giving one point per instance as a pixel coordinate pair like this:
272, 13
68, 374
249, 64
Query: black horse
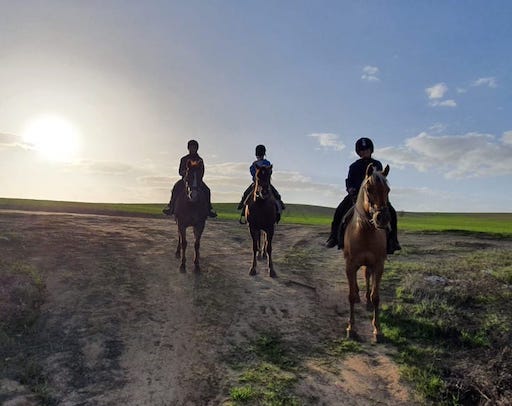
191, 211
261, 214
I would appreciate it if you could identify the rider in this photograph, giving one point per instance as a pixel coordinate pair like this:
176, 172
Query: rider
261, 161
192, 147
356, 175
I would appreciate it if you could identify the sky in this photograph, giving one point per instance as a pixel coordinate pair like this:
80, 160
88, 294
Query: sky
99, 98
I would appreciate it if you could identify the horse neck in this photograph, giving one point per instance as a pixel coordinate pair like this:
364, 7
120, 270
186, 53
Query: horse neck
361, 214
257, 184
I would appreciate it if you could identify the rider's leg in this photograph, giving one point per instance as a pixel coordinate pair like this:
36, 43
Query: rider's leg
245, 196
341, 210
208, 193
169, 209
393, 244
277, 196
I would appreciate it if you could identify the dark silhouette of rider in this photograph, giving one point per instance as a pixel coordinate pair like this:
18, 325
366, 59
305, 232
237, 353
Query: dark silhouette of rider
179, 186
356, 174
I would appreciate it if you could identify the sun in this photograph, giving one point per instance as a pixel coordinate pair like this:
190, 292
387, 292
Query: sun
53, 136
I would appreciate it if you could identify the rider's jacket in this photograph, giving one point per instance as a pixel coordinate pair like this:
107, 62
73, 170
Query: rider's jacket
257, 163
357, 173
183, 163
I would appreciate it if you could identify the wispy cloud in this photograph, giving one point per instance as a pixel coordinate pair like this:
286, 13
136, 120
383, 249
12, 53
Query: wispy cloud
487, 81
329, 141
13, 141
370, 73
443, 103
455, 156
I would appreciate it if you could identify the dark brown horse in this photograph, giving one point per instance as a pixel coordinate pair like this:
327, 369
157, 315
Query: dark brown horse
365, 244
260, 213
191, 211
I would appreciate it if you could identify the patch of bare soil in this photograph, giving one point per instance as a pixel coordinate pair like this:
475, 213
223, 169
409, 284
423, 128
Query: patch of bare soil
122, 325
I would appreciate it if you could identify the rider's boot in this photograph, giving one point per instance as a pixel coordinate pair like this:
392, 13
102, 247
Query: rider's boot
332, 241
392, 242
169, 209
211, 212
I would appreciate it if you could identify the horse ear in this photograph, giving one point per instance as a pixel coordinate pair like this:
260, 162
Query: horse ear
386, 170
369, 170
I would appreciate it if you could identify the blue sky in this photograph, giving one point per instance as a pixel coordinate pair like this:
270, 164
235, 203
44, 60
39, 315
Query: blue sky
98, 99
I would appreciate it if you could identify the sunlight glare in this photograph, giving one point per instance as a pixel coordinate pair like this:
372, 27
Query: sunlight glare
54, 137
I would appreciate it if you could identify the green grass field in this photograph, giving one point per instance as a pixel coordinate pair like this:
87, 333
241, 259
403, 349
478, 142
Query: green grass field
489, 223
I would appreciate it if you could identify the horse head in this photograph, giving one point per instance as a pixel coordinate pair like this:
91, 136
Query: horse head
375, 191
193, 178
262, 182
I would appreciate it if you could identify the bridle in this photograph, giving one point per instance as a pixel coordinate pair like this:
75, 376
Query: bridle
192, 185
377, 214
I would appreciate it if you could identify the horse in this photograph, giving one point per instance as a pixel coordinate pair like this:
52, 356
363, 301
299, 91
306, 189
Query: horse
261, 214
365, 244
191, 210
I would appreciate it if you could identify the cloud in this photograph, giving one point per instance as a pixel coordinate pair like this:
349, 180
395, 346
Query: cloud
104, 167
370, 73
329, 141
438, 128
487, 81
437, 91
507, 137
443, 103
455, 156
13, 141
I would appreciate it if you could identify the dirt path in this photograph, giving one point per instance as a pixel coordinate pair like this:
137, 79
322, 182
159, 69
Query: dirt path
122, 325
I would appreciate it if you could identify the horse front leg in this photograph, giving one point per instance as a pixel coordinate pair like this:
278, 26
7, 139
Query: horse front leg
183, 238
178, 248
367, 275
255, 234
375, 299
353, 297
271, 271
198, 231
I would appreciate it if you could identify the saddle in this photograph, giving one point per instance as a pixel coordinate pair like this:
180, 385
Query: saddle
343, 225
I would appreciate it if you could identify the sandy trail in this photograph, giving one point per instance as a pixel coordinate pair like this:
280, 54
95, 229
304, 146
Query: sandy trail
122, 325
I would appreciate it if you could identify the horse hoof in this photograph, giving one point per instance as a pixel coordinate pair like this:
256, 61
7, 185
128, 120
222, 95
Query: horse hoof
377, 338
197, 268
183, 268
252, 272
369, 306
272, 273
178, 256
352, 335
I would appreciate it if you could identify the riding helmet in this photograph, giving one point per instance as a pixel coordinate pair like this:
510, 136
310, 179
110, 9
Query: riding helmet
364, 143
261, 150
193, 142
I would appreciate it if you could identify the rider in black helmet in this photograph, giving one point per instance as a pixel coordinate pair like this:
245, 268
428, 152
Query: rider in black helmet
260, 161
192, 147
356, 174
